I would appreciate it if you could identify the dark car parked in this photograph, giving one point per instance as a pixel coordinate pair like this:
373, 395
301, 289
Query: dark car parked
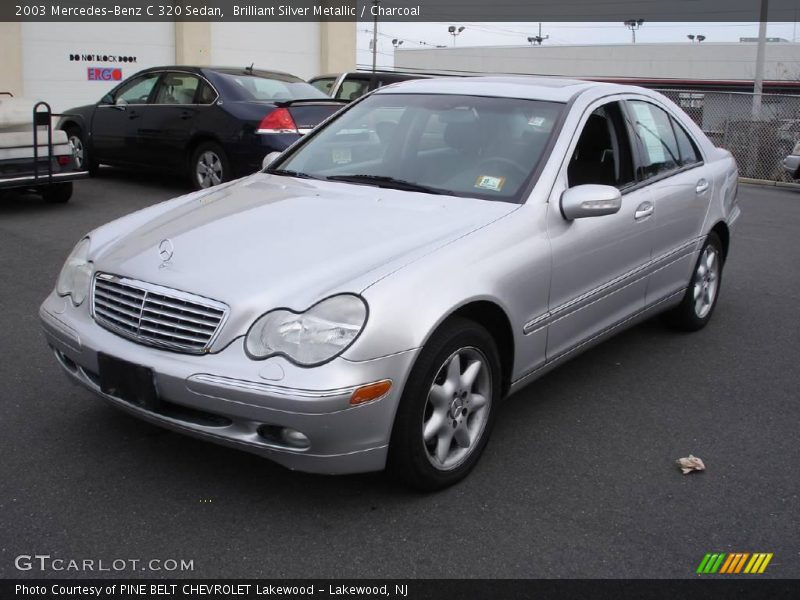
354, 84
214, 124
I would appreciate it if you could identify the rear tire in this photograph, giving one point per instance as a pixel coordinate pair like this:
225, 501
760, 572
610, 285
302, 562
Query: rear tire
208, 166
695, 310
446, 413
58, 193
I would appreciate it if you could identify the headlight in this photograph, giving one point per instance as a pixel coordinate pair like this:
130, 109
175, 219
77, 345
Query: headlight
76, 274
310, 338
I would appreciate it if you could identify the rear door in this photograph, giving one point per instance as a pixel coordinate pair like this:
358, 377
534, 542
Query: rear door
671, 165
115, 126
179, 100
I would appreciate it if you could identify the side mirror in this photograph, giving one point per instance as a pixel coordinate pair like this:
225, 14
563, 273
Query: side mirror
590, 200
107, 99
269, 159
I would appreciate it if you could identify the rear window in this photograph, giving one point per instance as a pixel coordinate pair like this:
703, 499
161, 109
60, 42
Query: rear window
273, 88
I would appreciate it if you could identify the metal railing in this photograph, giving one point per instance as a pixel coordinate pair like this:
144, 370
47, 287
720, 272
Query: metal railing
758, 140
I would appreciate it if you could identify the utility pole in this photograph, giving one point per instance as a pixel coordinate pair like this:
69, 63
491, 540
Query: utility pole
375, 3
758, 83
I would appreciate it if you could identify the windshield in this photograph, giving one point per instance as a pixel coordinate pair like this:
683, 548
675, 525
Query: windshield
274, 88
460, 145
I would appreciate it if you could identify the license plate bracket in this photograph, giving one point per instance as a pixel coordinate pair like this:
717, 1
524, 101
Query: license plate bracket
128, 381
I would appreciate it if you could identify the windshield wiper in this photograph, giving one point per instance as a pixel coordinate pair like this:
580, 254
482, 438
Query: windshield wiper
386, 182
290, 173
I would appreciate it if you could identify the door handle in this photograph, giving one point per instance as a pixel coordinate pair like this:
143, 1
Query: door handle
186, 115
702, 186
644, 210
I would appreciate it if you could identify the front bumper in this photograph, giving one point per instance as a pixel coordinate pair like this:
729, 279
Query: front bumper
791, 164
227, 398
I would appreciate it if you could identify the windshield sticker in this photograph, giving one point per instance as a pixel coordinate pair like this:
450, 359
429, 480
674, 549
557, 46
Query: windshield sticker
488, 182
536, 121
341, 156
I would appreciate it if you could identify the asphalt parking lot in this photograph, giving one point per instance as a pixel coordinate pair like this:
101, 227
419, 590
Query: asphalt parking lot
579, 479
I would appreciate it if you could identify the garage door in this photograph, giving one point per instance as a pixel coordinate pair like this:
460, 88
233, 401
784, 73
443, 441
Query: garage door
70, 64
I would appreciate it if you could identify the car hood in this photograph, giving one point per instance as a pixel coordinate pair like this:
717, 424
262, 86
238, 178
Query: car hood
268, 241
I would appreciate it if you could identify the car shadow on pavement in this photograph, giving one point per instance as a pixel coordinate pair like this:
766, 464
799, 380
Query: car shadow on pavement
158, 180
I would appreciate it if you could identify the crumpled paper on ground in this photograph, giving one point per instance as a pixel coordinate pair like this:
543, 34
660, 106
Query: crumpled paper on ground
690, 463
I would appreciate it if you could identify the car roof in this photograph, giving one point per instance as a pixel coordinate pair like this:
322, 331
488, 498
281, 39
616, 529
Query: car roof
398, 74
540, 88
225, 70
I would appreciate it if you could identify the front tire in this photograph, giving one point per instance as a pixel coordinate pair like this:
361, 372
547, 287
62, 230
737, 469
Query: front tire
448, 405
83, 160
209, 166
695, 310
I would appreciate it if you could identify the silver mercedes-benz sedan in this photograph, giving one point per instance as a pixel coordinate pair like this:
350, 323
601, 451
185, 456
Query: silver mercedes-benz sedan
370, 297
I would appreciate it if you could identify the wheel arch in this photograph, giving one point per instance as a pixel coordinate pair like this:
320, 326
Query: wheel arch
724, 234
490, 315
196, 140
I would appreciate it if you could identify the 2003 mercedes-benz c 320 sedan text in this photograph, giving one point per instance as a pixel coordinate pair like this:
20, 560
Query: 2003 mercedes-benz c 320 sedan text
372, 295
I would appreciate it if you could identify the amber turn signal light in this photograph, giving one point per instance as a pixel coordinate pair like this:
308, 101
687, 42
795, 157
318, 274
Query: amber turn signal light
371, 391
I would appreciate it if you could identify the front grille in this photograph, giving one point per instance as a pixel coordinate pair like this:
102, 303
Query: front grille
155, 315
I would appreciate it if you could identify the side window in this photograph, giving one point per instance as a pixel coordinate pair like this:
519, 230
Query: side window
177, 88
603, 153
689, 153
324, 84
657, 142
206, 95
352, 89
136, 91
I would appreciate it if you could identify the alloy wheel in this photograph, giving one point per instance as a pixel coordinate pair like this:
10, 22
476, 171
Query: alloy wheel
208, 169
457, 408
77, 148
706, 281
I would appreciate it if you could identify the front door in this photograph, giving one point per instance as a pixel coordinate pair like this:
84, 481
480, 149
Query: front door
598, 277
115, 126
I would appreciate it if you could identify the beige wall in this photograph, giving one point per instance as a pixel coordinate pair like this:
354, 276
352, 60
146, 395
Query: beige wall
337, 47
11, 64
193, 43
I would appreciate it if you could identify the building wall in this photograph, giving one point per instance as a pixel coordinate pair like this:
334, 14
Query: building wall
290, 47
51, 61
717, 61
50, 71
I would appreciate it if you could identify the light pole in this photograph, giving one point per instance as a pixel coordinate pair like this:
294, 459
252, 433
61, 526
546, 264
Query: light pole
699, 37
455, 31
633, 25
397, 43
375, 36
758, 82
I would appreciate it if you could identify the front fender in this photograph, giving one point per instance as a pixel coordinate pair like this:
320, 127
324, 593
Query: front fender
507, 263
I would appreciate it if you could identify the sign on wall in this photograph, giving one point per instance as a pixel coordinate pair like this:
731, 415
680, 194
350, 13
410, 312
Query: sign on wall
103, 74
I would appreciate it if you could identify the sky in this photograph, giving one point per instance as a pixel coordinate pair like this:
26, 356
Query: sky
420, 35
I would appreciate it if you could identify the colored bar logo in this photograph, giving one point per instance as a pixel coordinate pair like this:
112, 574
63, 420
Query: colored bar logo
734, 563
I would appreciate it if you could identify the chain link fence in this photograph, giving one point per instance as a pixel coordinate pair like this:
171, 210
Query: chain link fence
759, 141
